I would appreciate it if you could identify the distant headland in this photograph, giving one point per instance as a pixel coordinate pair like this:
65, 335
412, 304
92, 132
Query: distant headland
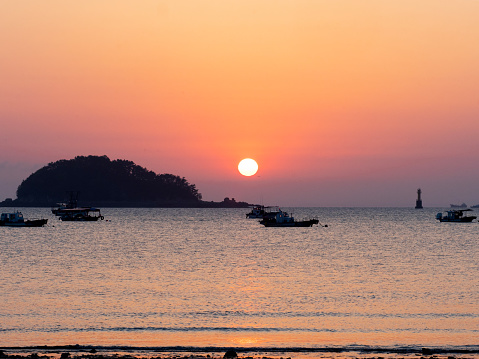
102, 182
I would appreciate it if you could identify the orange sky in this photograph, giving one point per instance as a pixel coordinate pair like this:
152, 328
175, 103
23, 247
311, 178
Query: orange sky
342, 103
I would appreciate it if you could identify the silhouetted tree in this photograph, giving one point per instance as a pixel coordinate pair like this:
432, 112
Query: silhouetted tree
97, 178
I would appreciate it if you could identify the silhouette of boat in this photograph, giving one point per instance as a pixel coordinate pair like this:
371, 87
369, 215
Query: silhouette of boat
463, 205
256, 212
72, 203
70, 211
455, 215
283, 219
81, 214
16, 219
58, 211
259, 211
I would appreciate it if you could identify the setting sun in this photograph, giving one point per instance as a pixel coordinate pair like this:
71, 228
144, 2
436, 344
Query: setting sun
248, 167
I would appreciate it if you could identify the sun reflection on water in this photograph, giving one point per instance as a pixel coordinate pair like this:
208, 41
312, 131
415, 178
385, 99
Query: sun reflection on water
246, 341
187, 277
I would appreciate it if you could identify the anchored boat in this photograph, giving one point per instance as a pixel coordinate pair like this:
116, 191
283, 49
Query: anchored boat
16, 219
81, 214
462, 205
256, 212
72, 203
71, 212
283, 219
262, 211
455, 215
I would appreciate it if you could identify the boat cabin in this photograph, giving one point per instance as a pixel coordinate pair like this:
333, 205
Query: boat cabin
283, 217
16, 217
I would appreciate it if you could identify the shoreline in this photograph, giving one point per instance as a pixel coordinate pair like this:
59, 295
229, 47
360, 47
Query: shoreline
126, 352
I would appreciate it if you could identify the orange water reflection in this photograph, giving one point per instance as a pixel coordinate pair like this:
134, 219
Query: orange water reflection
220, 280
239, 339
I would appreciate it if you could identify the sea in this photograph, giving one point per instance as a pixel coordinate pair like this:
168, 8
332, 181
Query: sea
364, 282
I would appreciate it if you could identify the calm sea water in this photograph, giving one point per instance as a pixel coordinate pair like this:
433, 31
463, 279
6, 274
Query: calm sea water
374, 278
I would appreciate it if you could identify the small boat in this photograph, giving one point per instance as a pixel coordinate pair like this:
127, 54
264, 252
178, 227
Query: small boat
259, 211
455, 215
72, 203
81, 214
256, 212
462, 205
283, 219
16, 219
58, 211
70, 211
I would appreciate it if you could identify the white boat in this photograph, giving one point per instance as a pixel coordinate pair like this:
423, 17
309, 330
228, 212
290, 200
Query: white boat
462, 205
16, 219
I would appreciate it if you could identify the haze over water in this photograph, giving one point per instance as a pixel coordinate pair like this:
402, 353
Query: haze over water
376, 277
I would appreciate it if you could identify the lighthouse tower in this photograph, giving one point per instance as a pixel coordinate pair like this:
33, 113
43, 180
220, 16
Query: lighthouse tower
419, 200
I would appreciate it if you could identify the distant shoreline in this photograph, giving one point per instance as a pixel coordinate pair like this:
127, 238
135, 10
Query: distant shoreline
227, 203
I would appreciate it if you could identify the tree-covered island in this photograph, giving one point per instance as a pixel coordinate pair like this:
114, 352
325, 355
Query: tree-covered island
102, 182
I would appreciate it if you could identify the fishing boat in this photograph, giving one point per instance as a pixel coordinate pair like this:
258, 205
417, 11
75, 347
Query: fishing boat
283, 219
262, 212
455, 215
70, 211
16, 219
59, 209
256, 212
72, 203
81, 214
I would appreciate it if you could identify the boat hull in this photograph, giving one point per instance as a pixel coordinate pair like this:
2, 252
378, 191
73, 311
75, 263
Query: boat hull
80, 219
459, 220
309, 223
81, 214
27, 223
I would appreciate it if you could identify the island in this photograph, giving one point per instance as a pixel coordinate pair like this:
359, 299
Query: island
99, 181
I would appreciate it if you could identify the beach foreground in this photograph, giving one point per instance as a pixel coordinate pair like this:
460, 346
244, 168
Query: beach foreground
89, 352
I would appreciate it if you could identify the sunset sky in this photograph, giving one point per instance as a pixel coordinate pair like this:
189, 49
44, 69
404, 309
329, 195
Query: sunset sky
341, 103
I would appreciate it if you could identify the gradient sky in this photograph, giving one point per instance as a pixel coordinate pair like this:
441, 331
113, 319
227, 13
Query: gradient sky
342, 103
